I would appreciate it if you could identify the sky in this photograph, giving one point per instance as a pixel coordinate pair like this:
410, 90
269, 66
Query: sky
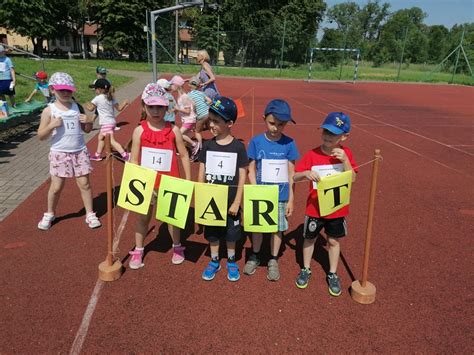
440, 12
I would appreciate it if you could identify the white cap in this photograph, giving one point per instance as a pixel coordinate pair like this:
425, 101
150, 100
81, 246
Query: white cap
165, 84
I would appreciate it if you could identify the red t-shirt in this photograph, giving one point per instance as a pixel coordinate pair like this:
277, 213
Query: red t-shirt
163, 139
316, 157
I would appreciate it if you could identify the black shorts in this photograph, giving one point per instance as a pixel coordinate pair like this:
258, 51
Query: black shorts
334, 228
231, 233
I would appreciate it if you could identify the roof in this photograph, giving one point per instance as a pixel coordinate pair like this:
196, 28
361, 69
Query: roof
90, 29
185, 35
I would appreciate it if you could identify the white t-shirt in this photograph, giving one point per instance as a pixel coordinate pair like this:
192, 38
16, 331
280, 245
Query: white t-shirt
105, 109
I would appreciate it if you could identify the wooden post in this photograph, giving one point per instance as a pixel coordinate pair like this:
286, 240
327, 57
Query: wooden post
363, 291
110, 269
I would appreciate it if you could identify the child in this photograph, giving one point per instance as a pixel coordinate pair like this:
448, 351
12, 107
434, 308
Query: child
185, 107
152, 135
170, 115
105, 104
273, 146
41, 85
7, 77
201, 105
68, 156
332, 156
222, 116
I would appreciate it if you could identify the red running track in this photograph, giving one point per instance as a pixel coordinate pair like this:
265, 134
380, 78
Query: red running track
421, 257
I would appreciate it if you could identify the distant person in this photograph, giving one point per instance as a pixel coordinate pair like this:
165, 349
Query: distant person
331, 156
206, 75
170, 115
105, 105
7, 77
201, 107
41, 86
68, 157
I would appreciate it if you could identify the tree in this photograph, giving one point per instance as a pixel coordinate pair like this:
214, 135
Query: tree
36, 19
332, 38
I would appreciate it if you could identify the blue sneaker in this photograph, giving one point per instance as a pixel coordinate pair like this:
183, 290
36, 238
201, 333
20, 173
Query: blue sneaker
232, 271
210, 272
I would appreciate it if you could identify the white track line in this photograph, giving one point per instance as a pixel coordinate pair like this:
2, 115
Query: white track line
86, 319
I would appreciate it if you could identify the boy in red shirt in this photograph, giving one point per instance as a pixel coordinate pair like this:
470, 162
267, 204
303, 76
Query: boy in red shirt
329, 158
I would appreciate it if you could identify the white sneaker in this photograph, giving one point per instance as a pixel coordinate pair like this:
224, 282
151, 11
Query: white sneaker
46, 221
92, 220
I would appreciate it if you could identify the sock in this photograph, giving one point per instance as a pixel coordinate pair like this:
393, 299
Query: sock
124, 154
176, 245
139, 249
331, 274
215, 257
273, 257
231, 256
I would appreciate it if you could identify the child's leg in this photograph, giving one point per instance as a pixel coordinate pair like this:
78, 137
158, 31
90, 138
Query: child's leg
178, 250
175, 234
230, 250
57, 184
257, 239
198, 138
100, 143
116, 145
334, 251
308, 250
275, 244
186, 135
84, 185
141, 228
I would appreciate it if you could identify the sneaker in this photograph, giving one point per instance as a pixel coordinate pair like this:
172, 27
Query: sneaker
125, 156
273, 270
96, 157
210, 272
93, 221
136, 262
303, 278
334, 285
46, 221
178, 255
251, 265
232, 271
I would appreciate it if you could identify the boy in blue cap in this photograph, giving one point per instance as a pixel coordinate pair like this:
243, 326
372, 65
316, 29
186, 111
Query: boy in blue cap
329, 158
272, 161
225, 154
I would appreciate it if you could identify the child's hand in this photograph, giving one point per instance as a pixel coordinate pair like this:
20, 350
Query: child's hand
312, 175
55, 122
85, 119
339, 154
234, 209
289, 209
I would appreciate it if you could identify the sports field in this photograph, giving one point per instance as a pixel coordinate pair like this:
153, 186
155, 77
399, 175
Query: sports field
421, 256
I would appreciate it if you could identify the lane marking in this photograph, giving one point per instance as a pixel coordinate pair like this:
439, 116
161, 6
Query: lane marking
81, 334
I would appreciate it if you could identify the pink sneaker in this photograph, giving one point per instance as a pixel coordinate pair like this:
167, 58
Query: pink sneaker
95, 157
178, 255
125, 156
136, 262
92, 220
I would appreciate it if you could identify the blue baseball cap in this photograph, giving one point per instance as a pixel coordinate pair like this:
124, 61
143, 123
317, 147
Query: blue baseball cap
280, 110
337, 123
224, 107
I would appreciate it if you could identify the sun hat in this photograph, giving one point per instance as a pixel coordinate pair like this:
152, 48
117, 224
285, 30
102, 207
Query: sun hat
41, 75
154, 95
101, 70
194, 81
224, 107
102, 84
165, 84
177, 80
62, 81
280, 110
337, 123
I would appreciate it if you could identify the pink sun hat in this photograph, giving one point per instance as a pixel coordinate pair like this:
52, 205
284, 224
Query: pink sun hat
177, 80
154, 95
62, 81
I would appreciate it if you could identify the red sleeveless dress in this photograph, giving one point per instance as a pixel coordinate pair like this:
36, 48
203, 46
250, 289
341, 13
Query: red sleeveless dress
164, 139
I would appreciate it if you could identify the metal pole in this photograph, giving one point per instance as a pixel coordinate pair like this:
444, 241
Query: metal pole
310, 64
343, 54
176, 42
153, 46
147, 37
218, 39
356, 66
457, 56
403, 52
282, 44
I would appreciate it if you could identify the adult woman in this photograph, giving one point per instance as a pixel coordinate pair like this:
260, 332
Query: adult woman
206, 76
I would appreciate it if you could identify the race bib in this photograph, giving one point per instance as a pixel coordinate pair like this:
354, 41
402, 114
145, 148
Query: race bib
275, 170
156, 159
72, 127
45, 91
220, 163
326, 170
3, 67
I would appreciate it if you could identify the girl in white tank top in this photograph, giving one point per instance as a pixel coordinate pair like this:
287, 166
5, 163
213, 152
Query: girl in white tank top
68, 156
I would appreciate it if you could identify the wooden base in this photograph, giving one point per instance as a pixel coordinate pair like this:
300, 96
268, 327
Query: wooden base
363, 295
110, 273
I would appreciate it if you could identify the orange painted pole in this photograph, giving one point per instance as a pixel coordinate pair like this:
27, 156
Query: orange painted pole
110, 269
363, 291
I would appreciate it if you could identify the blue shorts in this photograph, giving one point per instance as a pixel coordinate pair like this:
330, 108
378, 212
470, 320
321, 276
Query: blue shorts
5, 88
282, 221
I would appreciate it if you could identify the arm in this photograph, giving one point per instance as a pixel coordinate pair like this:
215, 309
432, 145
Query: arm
341, 155
47, 124
90, 107
12, 71
307, 174
120, 107
183, 153
28, 99
86, 122
135, 151
201, 172
234, 208
253, 172
291, 188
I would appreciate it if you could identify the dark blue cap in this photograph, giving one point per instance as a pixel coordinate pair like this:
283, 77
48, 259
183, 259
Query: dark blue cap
280, 110
224, 107
337, 123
